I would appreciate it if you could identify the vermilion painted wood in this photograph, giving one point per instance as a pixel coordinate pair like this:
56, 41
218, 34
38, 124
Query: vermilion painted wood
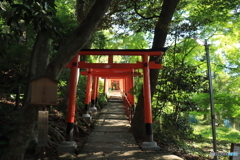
105, 86
95, 85
132, 97
128, 52
137, 65
121, 85
74, 74
97, 91
110, 59
124, 86
111, 74
132, 85
110, 77
88, 88
93, 90
115, 70
147, 91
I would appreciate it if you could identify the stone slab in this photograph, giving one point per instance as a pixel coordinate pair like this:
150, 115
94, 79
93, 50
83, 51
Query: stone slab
66, 147
120, 112
111, 128
126, 155
115, 100
108, 147
112, 116
112, 122
111, 137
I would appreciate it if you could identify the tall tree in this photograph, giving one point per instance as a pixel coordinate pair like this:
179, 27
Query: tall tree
160, 35
78, 38
195, 17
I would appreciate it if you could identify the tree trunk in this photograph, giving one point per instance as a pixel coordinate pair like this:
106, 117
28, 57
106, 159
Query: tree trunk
160, 35
78, 38
28, 116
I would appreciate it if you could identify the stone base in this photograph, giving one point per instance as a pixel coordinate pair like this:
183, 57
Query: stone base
150, 146
87, 118
93, 110
68, 147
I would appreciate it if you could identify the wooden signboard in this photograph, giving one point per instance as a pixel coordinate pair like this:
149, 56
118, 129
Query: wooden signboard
235, 148
44, 91
42, 128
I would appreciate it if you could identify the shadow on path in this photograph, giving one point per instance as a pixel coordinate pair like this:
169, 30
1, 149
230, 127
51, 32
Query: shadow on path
111, 139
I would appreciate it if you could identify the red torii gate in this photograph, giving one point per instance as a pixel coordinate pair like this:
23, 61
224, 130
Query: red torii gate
123, 75
95, 74
145, 65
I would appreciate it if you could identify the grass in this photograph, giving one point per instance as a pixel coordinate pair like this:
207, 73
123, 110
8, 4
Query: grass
202, 147
222, 133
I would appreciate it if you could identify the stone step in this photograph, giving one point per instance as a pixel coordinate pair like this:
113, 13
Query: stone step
111, 139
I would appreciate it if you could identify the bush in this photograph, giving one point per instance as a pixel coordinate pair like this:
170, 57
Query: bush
102, 101
177, 127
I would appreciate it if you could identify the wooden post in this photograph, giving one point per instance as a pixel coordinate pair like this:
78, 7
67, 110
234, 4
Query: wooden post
88, 92
94, 91
86, 116
132, 97
147, 99
74, 75
121, 85
42, 131
105, 87
124, 85
128, 95
97, 91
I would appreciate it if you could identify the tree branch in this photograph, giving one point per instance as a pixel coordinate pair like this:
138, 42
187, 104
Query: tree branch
78, 38
135, 9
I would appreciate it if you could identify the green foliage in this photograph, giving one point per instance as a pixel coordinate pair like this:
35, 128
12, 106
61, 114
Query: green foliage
172, 123
7, 122
176, 86
222, 133
14, 66
66, 17
178, 82
38, 13
138, 16
175, 130
99, 40
102, 101
118, 38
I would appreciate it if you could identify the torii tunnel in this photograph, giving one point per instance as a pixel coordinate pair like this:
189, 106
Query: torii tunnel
118, 76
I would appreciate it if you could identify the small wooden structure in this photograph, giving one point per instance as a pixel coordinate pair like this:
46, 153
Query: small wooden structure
42, 128
44, 91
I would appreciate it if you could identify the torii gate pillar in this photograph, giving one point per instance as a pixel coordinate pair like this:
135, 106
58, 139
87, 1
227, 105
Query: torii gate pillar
97, 93
149, 143
105, 87
69, 145
74, 75
93, 108
86, 115
132, 96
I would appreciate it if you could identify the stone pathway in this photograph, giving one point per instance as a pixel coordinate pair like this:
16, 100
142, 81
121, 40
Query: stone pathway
111, 139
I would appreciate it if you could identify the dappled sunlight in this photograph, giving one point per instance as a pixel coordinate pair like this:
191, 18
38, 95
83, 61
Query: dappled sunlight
116, 93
